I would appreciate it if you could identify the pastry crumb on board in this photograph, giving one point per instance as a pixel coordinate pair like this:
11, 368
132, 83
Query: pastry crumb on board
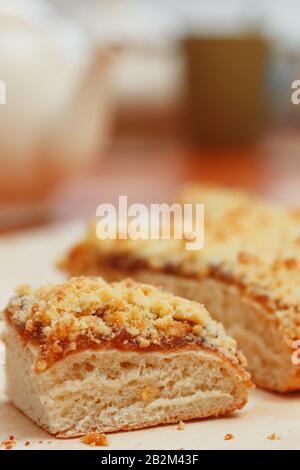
181, 426
8, 443
274, 437
95, 440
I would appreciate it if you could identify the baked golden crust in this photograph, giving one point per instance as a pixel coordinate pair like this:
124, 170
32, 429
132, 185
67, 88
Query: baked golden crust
86, 313
249, 243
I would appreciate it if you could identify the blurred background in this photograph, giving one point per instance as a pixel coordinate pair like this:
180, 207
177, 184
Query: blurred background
109, 97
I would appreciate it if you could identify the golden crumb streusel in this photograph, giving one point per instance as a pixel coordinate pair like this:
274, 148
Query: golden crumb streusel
91, 313
248, 243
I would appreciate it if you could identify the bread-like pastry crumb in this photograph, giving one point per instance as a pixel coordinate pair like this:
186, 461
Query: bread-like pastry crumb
228, 436
9, 443
181, 426
147, 393
88, 312
274, 437
95, 440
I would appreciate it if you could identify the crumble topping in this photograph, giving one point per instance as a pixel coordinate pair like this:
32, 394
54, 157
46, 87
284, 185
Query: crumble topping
89, 312
249, 243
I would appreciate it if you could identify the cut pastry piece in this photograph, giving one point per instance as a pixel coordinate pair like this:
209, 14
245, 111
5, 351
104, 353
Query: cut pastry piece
87, 356
247, 275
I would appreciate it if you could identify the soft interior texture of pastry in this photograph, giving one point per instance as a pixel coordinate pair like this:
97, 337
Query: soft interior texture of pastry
247, 275
86, 356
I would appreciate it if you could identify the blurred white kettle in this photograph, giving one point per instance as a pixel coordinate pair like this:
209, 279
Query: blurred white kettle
57, 105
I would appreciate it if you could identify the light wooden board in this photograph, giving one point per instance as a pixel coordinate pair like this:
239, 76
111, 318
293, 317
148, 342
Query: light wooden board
30, 257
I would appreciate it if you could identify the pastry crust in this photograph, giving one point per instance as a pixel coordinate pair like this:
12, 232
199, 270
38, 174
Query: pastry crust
87, 356
252, 248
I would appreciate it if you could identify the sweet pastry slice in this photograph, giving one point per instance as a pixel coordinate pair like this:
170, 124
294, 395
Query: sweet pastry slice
87, 356
247, 275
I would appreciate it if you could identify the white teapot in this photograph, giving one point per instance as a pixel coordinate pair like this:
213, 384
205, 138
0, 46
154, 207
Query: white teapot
57, 105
